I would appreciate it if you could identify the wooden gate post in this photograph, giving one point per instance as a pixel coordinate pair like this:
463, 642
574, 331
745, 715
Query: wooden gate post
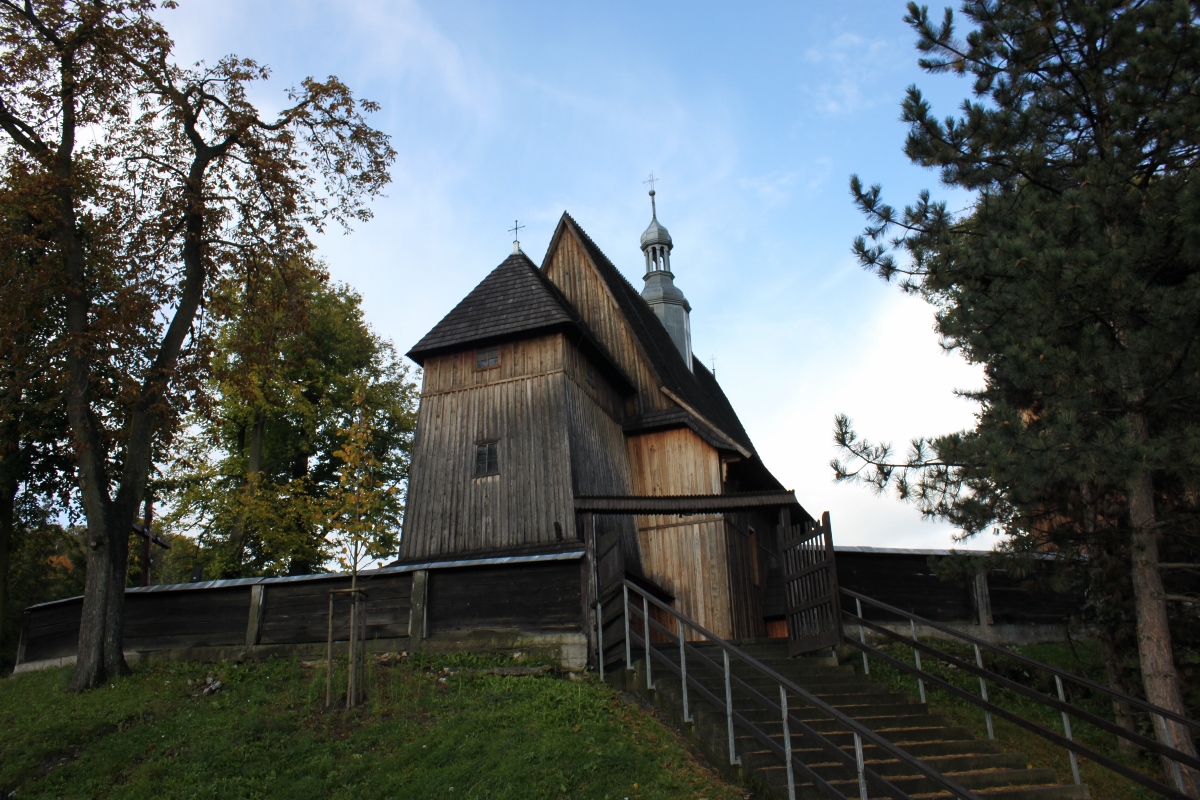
418, 615
254, 623
586, 524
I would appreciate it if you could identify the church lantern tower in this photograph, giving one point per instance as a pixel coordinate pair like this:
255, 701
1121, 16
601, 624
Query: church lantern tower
668, 303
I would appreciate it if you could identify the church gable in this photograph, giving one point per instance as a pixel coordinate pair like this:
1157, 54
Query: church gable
668, 391
569, 267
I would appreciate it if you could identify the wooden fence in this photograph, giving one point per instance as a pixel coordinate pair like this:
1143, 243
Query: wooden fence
536, 593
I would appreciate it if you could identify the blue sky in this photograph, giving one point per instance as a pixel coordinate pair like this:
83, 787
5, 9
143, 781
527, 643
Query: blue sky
752, 115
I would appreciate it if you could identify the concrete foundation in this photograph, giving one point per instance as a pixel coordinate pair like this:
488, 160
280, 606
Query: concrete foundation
566, 649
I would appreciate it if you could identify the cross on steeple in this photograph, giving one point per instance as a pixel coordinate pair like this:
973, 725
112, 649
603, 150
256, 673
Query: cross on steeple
515, 230
652, 180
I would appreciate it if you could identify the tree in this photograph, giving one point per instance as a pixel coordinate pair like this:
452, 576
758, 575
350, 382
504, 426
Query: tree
362, 522
268, 456
35, 472
191, 184
1074, 279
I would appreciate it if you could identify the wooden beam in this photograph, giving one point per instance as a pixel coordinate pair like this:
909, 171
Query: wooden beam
254, 622
716, 428
418, 625
683, 504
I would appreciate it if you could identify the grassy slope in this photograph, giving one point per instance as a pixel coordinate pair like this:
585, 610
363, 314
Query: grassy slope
267, 735
1083, 659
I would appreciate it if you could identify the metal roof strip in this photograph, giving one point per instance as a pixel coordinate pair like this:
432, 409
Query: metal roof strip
228, 583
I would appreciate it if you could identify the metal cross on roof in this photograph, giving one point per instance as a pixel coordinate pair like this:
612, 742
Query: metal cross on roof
515, 230
651, 180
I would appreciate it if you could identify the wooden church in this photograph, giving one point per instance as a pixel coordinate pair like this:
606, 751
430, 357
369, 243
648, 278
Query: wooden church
563, 416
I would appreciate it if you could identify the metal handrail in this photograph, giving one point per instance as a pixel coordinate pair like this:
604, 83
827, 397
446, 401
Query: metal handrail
859, 730
781, 751
1033, 662
762, 737
984, 674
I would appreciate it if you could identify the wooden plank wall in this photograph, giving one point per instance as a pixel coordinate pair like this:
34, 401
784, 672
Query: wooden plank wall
52, 631
297, 612
571, 270
1017, 601
686, 555
452, 512
748, 537
537, 596
905, 581
186, 618
599, 463
294, 612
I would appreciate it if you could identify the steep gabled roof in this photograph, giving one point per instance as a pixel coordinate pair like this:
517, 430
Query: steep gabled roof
515, 298
696, 387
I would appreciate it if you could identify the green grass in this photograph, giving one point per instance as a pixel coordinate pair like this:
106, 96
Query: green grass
268, 735
1083, 658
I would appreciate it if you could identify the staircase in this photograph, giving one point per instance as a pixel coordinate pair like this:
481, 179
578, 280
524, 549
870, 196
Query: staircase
975, 764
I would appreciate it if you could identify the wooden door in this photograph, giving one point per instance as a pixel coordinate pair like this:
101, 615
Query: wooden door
813, 607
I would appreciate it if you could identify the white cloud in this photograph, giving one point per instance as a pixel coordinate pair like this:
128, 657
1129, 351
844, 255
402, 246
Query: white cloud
400, 39
851, 67
886, 371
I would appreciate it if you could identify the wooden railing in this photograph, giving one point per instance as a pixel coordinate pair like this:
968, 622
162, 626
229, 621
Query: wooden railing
1175, 757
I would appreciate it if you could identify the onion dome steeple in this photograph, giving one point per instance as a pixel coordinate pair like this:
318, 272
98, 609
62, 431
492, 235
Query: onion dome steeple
664, 298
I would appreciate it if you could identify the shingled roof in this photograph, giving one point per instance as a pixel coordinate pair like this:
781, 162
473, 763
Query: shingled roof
696, 387
515, 298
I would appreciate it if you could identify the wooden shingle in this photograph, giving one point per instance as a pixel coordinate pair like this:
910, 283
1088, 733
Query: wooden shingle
513, 300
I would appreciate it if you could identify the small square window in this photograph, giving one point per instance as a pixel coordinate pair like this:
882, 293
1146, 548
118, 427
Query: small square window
486, 359
487, 461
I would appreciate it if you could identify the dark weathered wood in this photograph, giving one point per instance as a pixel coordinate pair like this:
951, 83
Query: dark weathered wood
417, 629
24, 637
531, 596
684, 504
1023, 601
451, 511
813, 605
906, 581
297, 613
589, 584
254, 617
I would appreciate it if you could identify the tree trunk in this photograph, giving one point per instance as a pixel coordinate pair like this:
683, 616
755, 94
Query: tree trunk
1159, 676
237, 538
1114, 667
114, 613
8, 527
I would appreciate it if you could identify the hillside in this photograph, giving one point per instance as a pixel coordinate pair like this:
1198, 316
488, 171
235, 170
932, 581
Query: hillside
425, 732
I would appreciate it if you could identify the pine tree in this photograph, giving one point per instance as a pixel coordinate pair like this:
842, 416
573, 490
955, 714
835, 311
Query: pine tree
1073, 278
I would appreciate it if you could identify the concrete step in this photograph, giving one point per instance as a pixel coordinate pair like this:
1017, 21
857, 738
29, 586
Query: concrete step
933, 749
881, 724
903, 737
1042, 792
808, 713
977, 764
824, 765
776, 777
